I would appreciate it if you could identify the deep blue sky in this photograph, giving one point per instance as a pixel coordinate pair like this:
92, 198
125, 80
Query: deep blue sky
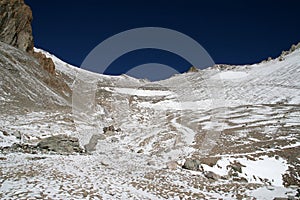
233, 31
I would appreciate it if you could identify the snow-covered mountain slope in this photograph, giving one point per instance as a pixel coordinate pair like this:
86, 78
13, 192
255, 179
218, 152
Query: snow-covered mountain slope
236, 129
23, 84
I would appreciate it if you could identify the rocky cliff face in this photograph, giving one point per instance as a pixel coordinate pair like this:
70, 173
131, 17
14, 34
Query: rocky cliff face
45, 62
15, 29
15, 24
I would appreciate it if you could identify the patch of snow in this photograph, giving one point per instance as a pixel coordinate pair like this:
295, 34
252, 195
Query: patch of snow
266, 193
140, 92
264, 168
254, 139
188, 134
229, 75
175, 105
7, 141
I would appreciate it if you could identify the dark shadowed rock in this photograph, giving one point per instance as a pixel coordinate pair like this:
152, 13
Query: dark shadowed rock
62, 144
118, 130
5, 133
236, 166
3, 158
140, 151
109, 128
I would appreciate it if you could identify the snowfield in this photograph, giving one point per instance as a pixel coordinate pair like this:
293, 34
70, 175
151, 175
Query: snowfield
230, 75
236, 128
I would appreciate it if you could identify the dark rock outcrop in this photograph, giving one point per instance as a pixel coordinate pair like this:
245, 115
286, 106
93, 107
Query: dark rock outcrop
15, 24
193, 69
15, 30
59, 144
45, 62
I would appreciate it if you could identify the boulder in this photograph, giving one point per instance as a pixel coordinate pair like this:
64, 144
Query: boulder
140, 151
240, 179
172, 165
61, 144
210, 161
5, 133
191, 164
211, 175
91, 146
109, 128
17, 134
236, 166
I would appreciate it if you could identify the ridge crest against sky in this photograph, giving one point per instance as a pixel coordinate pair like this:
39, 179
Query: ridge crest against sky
232, 32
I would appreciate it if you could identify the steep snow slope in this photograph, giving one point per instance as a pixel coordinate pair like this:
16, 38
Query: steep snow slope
241, 123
